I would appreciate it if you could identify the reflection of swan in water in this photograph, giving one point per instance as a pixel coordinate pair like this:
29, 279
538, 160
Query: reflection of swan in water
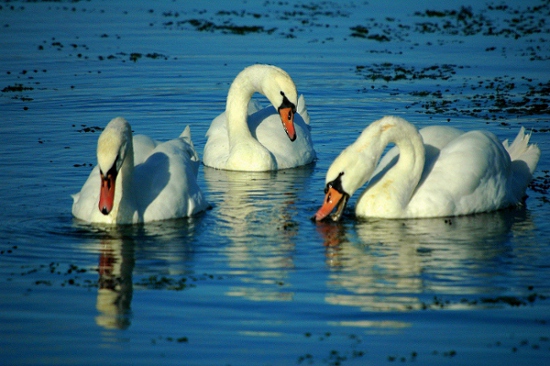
256, 213
402, 262
164, 243
115, 287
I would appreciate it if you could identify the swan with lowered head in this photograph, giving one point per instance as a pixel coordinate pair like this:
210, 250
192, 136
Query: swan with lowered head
248, 138
435, 172
138, 179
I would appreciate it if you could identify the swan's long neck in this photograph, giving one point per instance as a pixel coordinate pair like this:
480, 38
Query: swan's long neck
394, 189
115, 156
248, 82
123, 204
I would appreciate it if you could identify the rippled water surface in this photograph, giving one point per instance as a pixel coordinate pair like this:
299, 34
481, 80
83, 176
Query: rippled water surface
253, 280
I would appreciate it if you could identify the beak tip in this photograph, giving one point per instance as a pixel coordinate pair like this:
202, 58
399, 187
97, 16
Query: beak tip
319, 216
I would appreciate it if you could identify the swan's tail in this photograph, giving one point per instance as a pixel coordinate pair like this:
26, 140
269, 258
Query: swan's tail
520, 150
186, 135
524, 158
302, 109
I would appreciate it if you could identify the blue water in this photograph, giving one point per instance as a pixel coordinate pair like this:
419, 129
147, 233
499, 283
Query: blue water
253, 281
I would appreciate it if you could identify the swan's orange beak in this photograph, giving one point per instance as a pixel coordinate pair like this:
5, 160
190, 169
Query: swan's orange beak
107, 193
287, 117
333, 198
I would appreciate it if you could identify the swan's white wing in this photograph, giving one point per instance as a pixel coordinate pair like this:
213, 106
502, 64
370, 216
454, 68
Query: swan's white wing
166, 183
85, 202
254, 106
266, 127
470, 175
143, 146
435, 138
216, 149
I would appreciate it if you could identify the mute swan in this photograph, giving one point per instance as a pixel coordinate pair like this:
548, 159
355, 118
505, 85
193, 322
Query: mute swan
246, 138
440, 171
140, 180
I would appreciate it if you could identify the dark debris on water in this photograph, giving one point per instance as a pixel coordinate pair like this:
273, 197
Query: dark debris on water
16, 88
88, 129
77, 276
155, 282
517, 22
393, 72
509, 300
541, 182
491, 99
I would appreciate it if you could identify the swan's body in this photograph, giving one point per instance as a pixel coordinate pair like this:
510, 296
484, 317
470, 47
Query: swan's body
248, 138
439, 171
139, 180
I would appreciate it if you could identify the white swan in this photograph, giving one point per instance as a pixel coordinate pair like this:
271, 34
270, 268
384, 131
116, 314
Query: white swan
140, 180
248, 138
438, 172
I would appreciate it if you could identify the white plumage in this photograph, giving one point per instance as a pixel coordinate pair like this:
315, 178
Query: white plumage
248, 138
138, 179
437, 171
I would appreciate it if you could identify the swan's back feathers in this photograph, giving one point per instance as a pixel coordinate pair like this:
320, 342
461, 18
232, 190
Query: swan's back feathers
254, 106
176, 165
143, 146
465, 170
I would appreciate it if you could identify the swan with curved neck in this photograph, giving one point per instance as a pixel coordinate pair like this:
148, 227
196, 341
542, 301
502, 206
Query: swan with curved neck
248, 138
139, 180
439, 171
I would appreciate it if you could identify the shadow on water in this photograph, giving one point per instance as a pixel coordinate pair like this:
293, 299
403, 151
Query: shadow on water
395, 265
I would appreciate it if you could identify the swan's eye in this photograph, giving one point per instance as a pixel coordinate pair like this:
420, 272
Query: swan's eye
335, 184
287, 104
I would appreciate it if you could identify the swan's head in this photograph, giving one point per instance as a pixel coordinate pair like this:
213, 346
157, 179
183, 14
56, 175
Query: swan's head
349, 171
113, 147
281, 91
